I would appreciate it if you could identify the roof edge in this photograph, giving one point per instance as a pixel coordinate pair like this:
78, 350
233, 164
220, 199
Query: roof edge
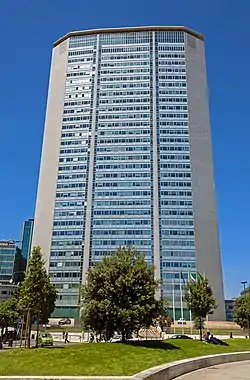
129, 29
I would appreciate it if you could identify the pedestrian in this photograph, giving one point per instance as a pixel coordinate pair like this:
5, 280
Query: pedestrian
231, 335
63, 335
66, 337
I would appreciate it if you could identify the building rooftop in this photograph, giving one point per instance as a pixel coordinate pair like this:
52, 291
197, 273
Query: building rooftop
129, 29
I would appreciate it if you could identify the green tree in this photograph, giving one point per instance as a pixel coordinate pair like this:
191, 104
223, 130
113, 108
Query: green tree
120, 294
8, 314
242, 311
199, 299
36, 295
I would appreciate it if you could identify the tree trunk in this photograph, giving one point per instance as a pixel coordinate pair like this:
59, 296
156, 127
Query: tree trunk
200, 328
37, 328
29, 329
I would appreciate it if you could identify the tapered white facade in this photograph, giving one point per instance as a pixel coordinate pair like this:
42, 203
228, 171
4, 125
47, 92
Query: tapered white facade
127, 159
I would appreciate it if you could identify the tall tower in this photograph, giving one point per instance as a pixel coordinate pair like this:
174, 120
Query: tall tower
127, 159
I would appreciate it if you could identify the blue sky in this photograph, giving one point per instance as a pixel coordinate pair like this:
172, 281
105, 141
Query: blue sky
28, 29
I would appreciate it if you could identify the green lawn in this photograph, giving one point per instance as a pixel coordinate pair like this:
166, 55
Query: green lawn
106, 358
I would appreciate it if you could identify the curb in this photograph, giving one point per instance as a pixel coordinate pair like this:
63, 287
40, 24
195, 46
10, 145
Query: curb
163, 372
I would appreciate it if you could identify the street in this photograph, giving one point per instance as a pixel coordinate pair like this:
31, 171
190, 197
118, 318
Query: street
231, 371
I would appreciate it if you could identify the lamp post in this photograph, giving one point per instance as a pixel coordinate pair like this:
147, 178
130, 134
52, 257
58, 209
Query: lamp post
245, 294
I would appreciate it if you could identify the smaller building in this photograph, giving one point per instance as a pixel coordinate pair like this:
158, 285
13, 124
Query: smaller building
229, 304
6, 291
7, 259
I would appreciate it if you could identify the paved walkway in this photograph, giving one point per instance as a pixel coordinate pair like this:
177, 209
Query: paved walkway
232, 371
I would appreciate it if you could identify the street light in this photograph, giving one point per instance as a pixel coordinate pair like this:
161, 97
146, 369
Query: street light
245, 294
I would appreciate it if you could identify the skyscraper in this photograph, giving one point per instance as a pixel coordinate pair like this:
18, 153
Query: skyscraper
127, 159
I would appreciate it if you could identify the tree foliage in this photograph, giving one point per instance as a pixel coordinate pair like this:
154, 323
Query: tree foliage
120, 294
242, 310
36, 295
8, 314
199, 299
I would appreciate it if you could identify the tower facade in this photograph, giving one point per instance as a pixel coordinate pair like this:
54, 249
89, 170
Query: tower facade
127, 159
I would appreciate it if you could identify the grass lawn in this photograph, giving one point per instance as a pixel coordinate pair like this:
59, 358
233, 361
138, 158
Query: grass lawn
106, 358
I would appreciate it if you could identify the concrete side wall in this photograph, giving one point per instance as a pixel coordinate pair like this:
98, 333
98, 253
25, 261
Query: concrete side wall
206, 226
50, 151
176, 369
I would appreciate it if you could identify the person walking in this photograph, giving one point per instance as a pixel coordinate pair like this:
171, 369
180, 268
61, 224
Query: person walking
66, 337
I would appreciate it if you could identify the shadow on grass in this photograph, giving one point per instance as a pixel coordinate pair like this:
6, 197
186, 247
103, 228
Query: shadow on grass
159, 344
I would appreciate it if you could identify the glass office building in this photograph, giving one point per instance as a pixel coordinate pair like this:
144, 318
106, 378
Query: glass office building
7, 259
127, 159
26, 238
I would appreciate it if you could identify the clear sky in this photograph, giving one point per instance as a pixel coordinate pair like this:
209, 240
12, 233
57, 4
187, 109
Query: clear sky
28, 29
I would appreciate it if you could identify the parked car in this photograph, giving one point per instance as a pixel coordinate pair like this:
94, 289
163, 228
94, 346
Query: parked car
180, 336
45, 340
64, 321
182, 321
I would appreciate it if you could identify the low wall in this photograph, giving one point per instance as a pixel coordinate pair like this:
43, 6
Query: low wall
178, 368
163, 372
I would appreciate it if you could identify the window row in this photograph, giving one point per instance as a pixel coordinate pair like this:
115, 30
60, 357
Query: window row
120, 193
125, 71
69, 168
178, 264
123, 158
172, 193
69, 185
115, 100
117, 132
64, 223
121, 232
68, 213
54, 264
65, 253
173, 148
176, 202
120, 222
123, 175
71, 176
66, 243
121, 212
176, 222
176, 184
177, 243
68, 233
122, 184
131, 115
123, 166
174, 253
65, 275
121, 242
124, 57
128, 202
70, 195
178, 157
